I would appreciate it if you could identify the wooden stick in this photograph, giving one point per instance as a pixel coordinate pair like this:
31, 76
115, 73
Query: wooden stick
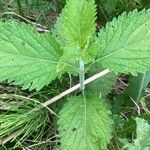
61, 95
9, 137
76, 87
54, 99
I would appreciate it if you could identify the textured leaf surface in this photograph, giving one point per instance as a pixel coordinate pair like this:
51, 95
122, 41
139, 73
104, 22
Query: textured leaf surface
142, 141
101, 87
76, 24
27, 57
125, 43
75, 31
84, 126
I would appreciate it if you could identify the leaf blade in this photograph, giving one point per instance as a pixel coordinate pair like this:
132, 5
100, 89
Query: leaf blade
142, 140
90, 122
27, 57
125, 43
101, 87
76, 24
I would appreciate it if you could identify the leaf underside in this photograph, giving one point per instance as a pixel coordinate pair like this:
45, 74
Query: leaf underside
26, 57
125, 43
84, 126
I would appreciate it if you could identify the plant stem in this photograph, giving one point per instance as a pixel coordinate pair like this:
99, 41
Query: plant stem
81, 75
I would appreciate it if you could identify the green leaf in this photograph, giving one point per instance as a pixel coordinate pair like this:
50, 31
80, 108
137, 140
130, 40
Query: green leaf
143, 132
137, 85
75, 31
142, 141
26, 57
76, 24
110, 5
125, 43
84, 124
147, 90
101, 87
134, 92
129, 126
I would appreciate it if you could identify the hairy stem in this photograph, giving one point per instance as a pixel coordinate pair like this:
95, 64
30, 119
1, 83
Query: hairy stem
81, 75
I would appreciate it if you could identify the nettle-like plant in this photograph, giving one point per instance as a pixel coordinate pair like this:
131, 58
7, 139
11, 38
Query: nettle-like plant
33, 60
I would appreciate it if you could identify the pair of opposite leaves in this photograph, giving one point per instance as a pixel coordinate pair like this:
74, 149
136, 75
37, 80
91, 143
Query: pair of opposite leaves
31, 59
